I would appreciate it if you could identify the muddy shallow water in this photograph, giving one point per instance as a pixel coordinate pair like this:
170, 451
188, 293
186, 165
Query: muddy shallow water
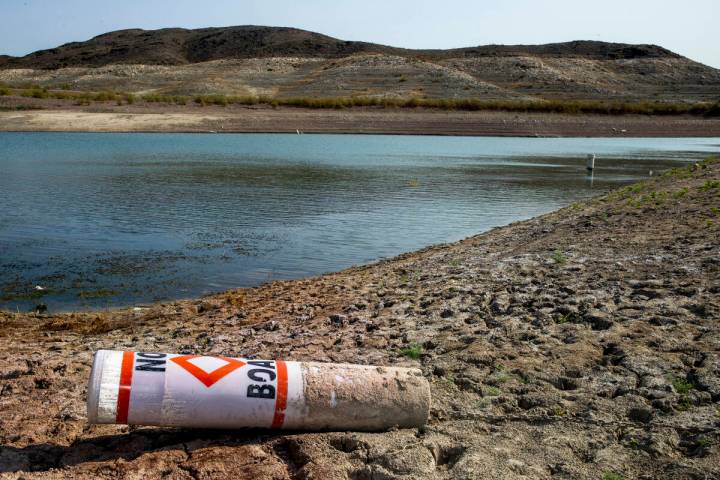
97, 220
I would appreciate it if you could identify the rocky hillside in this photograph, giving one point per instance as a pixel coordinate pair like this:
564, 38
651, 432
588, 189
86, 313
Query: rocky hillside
178, 46
250, 60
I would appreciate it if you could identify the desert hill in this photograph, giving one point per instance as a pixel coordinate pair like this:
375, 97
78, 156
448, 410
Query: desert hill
178, 46
288, 62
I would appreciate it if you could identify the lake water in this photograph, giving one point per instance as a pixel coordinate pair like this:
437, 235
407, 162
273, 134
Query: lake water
97, 220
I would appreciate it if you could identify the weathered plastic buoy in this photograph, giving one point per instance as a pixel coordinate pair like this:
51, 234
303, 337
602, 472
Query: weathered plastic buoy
220, 392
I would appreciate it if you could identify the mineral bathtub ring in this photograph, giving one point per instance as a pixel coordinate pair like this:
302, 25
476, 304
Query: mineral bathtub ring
220, 392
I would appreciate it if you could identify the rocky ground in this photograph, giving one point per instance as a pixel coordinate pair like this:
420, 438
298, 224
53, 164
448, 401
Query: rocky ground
582, 344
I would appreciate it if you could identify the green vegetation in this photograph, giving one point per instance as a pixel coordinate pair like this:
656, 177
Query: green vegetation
559, 257
35, 92
682, 385
24, 295
413, 351
703, 442
4, 91
102, 293
491, 391
612, 476
467, 104
559, 411
571, 317
710, 185
680, 193
680, 172
684, 404
448, 380
19, 108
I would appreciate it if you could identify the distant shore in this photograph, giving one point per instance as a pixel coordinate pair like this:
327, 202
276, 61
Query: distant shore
33, 115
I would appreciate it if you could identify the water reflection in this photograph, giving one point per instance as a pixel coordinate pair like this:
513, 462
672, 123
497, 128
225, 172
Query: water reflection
110, 219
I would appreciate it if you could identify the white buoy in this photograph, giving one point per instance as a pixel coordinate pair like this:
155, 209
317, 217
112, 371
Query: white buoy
220, 392
590, 163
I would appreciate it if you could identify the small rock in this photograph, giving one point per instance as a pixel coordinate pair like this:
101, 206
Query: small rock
338, 320
447, 313
640, 414
499, 304
598, 319
205, 307
663, 404
271, 326
42, 383
369, 327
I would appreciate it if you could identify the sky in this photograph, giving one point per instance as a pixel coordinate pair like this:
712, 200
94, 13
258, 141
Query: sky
688, 27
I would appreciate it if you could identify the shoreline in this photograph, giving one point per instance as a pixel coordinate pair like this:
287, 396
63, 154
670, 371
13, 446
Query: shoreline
59, 116
579, 343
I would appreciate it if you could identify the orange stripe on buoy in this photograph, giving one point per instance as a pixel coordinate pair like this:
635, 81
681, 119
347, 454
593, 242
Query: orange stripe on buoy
123, 401
281, 399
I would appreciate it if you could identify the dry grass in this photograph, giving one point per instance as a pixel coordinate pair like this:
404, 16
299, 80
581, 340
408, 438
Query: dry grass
540, 105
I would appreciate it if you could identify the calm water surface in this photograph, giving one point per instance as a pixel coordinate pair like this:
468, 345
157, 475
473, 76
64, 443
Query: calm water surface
98, 220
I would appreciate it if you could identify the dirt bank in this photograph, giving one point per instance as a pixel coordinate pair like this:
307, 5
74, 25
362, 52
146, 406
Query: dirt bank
62, 116
580, 344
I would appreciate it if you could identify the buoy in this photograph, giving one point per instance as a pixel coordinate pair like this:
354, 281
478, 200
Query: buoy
590, 163
220, 392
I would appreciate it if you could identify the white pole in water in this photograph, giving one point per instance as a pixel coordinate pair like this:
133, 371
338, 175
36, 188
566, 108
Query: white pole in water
220, 392
590, 162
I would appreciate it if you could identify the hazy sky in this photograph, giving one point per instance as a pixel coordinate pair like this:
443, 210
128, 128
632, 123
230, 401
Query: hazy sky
688, 27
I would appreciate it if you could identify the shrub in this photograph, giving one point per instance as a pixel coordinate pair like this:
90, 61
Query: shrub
558, 257
467, 104
491, 392
413, 351
682, 386
35, 92
105, 96
612, 476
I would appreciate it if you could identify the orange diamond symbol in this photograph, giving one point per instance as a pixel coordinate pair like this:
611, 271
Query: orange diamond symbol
208, 378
